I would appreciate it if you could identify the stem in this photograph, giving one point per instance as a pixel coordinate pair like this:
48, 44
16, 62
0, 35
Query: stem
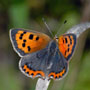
79, 29
42, 84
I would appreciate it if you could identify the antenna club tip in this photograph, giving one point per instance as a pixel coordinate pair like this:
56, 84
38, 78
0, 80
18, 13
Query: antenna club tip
65, 21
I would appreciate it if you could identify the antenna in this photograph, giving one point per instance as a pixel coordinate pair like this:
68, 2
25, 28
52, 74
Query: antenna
61, 27
47, 27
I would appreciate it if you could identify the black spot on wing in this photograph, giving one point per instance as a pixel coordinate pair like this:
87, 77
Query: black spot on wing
21, 36
23, 44
24, 40
70, 40
68, 45
74, 38
68, 50
66, 40
27, 72
56, 77
29, 48
31, 36
37, 38
32, 74
24, 69
24, 32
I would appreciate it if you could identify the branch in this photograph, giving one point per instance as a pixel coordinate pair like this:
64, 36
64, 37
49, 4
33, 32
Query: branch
42, 84
77, 30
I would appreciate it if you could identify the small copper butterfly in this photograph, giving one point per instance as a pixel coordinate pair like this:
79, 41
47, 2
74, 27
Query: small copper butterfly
42, 56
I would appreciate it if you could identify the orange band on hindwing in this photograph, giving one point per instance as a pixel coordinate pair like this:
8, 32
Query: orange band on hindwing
32, 73
57, 75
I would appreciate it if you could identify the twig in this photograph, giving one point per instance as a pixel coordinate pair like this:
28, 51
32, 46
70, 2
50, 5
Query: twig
78, 30
42, 84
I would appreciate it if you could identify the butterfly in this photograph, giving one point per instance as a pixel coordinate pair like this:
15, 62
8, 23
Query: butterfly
42, 56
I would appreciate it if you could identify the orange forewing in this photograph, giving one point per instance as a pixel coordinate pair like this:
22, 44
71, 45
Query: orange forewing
67, 44
30, 42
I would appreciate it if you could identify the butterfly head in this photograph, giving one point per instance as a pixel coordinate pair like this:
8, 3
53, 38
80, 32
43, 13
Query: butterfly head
56, 38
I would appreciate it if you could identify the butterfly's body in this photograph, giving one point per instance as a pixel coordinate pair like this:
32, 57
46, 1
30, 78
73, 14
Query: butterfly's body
45, 57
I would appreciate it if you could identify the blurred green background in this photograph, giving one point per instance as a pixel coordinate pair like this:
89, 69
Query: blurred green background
28, 14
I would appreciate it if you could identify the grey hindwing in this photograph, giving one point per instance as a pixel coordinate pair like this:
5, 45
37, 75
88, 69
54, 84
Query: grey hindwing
47, 60
35, 61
